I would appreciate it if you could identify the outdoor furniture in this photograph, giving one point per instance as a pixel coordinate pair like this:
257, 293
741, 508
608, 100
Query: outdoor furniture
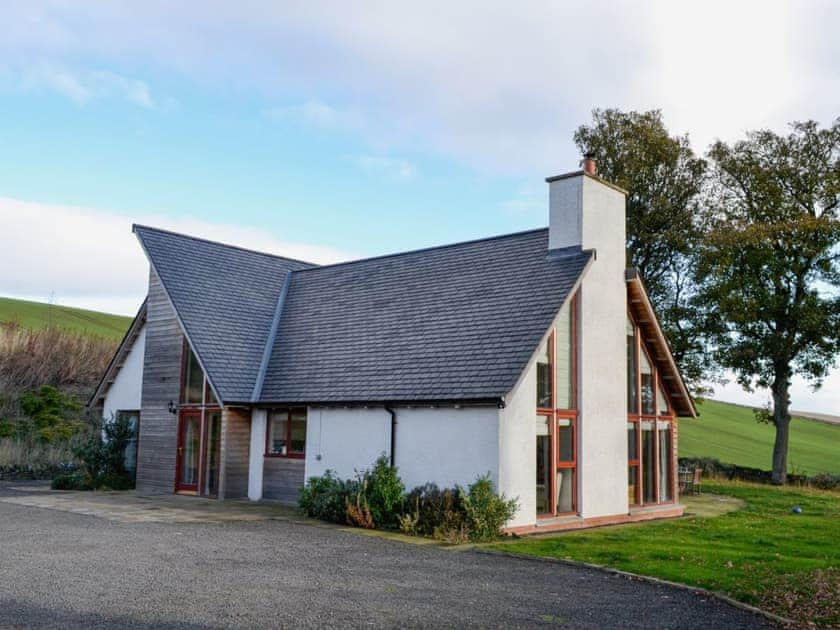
695, 482
684, 475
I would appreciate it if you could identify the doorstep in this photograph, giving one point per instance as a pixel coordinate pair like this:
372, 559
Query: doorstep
570, 523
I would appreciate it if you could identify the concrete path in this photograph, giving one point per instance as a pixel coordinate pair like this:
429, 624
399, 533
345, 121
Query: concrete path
105, 565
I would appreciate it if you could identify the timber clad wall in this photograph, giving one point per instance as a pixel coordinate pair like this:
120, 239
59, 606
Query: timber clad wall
157, 442
282, 478
235, 446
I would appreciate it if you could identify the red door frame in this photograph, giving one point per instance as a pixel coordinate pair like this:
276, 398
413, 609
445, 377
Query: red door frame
179, 485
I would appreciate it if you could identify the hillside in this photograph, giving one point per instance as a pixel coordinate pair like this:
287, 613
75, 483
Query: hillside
37, 315
730, 434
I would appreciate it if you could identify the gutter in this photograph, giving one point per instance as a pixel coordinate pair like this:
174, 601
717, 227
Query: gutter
393, 413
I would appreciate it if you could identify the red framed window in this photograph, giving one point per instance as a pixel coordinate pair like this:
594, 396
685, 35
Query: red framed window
285, 434
557, 417
650, 427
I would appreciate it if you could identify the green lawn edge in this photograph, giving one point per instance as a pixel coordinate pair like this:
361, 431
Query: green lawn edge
762, 554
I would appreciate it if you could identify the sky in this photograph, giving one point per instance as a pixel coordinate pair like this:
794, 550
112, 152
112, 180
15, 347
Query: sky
325, 132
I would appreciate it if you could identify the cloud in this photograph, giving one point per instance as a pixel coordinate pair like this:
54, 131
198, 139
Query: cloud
803, 398
90, 258
495, 86
314, 113
393, 168
84, 86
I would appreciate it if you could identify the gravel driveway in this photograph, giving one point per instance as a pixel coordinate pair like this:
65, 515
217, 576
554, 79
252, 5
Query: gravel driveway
62, 569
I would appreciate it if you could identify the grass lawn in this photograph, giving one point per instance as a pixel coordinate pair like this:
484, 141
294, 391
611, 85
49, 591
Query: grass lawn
36, 315
761, 554
730, 434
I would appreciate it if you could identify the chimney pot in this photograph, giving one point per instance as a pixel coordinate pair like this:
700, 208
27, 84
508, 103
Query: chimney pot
590, 167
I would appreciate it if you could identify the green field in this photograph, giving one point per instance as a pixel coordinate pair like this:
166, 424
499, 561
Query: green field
761, 554
36, 315
731, 434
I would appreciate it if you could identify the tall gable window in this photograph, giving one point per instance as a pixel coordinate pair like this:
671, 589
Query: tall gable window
650, 432
557, 417
199, 431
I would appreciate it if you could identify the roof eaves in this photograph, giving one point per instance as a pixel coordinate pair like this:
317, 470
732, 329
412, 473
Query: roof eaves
133, 329
272, 336
632, 275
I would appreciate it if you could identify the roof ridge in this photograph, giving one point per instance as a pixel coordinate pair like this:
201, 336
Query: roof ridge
134, 227
426, 249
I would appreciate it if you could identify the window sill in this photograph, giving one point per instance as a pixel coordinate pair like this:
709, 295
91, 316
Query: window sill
292, 456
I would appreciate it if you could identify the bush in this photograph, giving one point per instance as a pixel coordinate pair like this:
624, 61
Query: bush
383, 491
71, 481
102, 457
376, 499
53, 415
326, 497
485, 511
434, 511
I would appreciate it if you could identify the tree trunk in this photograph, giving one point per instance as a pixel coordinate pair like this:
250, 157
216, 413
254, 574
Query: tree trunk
781, 418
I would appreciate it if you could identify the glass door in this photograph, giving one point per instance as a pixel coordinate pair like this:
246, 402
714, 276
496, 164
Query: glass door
210, 482
189, 451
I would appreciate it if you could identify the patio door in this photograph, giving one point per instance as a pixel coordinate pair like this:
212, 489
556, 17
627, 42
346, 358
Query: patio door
199, 434
189, 452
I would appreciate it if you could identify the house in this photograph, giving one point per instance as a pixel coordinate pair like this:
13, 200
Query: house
535, 357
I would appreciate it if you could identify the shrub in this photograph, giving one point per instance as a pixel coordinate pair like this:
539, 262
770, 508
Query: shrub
77, 480
485, 511
326, 497
455, 515
383, 493
53, 415
102, 456
435, 510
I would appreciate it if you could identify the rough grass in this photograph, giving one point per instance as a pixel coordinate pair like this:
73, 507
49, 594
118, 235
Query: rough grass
36, 315
730, 433
762, 554
20, 454
30, 359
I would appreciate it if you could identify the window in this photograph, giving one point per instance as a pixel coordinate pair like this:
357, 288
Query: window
543, 466
286, 433
650, 448
544, 375
647, 383
665, 460
633, 462
193, 380
130, 453
632, 369
566, 465
565, 359
556, 420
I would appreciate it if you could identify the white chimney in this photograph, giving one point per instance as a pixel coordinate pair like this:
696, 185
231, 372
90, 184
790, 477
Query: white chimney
587, 212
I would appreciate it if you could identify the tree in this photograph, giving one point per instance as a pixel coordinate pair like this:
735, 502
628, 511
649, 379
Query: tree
768, 269
663, 179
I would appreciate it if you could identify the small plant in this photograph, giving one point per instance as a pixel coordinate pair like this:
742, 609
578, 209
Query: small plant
357, 508
486, 512
102, 457
383, 490
325, 497
408, 524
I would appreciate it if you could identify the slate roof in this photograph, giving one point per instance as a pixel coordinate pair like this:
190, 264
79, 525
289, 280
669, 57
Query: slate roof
451, 323
225, 298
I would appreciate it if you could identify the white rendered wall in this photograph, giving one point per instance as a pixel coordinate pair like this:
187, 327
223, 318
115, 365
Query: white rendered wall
256, 458
517, 446
447, 446
125, 392
345, 440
